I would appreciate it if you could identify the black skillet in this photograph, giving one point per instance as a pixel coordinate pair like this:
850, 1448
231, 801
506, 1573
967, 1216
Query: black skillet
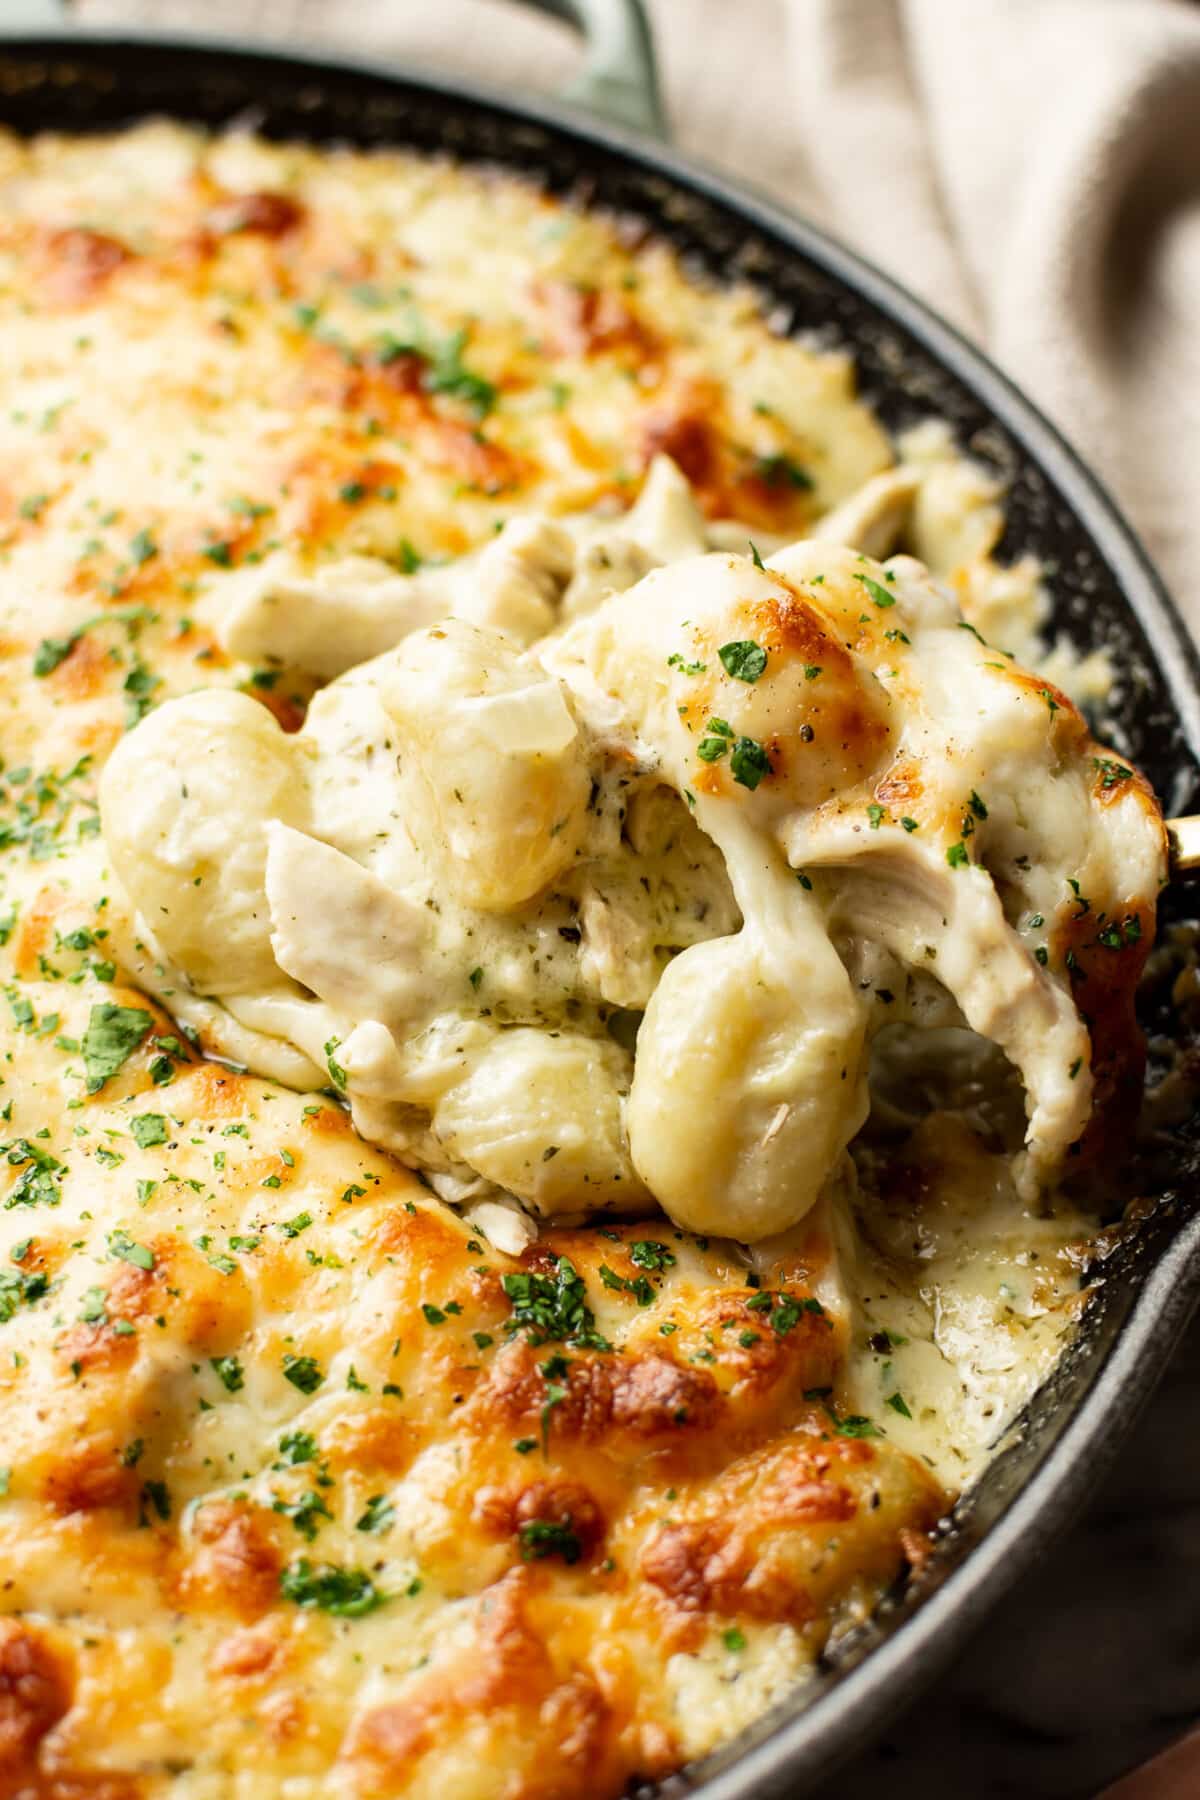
605, 147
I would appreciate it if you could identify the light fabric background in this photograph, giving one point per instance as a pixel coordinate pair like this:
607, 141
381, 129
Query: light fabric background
1032, 168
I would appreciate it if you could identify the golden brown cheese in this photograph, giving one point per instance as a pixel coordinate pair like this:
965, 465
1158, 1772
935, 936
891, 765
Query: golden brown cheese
306, 1490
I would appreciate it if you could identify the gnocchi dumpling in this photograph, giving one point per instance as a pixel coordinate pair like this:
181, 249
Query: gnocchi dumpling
750, 1080
184, 803
497, 782
541, 1117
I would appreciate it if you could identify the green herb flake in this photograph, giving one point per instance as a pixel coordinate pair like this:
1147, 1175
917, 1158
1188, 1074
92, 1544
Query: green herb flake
229, 1373
743, 659
142, 548
541, 1538
878, 593
123, 1247
295, 1447
749, 763
328, 1587
148, 1129
336, 1071
304, 1372
113, 1034
380, 1515
779, 471
677, 660
1111, 773
552, 1309
648, 1253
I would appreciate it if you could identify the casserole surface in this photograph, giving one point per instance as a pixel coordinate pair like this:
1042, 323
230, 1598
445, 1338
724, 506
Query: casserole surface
219, 354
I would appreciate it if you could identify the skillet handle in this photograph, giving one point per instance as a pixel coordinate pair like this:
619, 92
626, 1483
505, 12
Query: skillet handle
618, 81
619, 78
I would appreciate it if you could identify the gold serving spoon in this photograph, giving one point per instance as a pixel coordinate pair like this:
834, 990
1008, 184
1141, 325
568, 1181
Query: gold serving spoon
1183, 840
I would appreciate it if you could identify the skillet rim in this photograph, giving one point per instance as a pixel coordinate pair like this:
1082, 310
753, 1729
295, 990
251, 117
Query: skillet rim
783, 1759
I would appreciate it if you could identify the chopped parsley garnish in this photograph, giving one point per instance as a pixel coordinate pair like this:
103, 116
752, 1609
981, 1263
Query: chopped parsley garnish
155, 1492
780, 471
743, 659
336, 1071
139, 687
749, 763
854, 1425
676, 660
122, 1246
734, 1639
148, 1128
380, 1515
346, 1593
1118, 936
306, 1513
647, 1253
20, 1289
876, 814
784, 1310
541, 1538
640, 1287
716, 741
1111, 773
230, 1374
295, 1447
755, 558
909, 824
552, 1309
877, 592
899, 1404
36, 1186
957, 856
304, 1372
448, 374
113, 1034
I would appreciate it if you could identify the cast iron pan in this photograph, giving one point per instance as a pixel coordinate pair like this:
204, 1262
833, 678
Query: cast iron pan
1105, 593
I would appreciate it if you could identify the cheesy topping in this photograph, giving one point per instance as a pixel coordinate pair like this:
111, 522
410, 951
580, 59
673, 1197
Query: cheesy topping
307, 1485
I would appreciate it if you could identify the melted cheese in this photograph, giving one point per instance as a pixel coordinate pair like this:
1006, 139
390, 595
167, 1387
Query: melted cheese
804, 733
300, 1497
